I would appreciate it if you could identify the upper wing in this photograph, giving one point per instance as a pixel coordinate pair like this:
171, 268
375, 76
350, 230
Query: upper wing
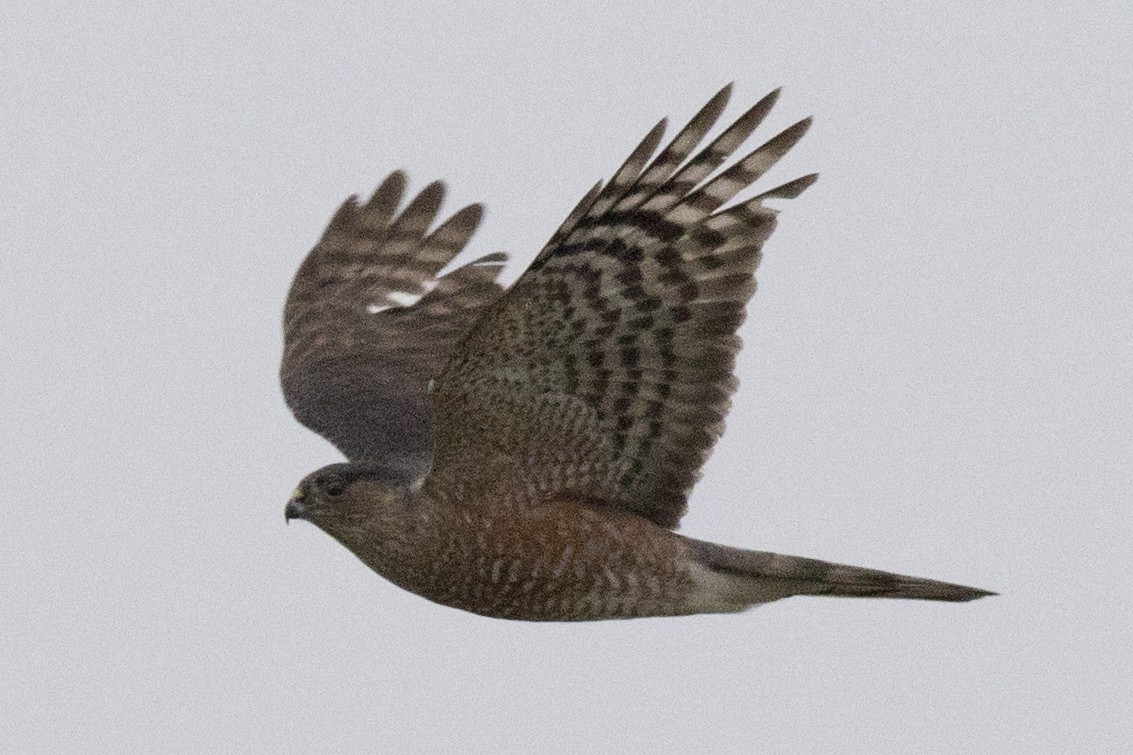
367, 324
606, 370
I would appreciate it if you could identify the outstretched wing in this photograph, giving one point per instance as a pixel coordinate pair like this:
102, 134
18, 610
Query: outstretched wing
605, 371
368, 324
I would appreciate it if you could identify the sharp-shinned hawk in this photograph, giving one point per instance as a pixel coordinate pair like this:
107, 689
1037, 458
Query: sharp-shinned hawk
527, 453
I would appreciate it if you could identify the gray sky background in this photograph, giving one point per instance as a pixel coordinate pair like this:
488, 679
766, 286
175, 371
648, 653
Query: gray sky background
936, 378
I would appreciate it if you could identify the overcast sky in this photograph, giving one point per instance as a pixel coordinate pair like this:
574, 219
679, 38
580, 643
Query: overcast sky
936, 378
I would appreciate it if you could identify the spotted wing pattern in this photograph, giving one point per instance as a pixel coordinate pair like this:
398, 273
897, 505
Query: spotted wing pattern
605, 372
368, 323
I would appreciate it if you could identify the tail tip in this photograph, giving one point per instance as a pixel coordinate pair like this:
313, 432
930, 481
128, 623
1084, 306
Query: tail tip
974, 593
930, 590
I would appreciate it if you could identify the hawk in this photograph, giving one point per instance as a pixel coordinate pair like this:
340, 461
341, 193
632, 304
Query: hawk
527, 453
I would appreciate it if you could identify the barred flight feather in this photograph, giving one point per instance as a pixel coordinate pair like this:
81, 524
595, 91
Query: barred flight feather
368, 323
627, 316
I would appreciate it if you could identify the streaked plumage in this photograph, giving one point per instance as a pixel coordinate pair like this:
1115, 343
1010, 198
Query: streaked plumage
570, 414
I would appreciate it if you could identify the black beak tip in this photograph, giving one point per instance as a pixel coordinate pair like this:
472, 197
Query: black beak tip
294, 509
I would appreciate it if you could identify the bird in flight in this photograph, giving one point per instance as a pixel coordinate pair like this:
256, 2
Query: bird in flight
527, 453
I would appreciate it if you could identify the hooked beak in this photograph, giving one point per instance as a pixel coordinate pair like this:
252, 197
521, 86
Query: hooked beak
295, 508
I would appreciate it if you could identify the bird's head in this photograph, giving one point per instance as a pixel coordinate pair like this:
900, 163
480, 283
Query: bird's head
346, 499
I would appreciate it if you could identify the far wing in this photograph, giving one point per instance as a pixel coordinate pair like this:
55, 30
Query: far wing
368, 325
605, 371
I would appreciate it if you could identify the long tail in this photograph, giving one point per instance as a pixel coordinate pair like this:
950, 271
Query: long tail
742, 578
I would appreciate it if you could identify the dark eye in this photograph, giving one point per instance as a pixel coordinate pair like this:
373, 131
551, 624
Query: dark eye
333, 485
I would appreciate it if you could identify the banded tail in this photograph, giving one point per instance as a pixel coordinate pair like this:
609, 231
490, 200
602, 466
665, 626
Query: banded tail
736, 579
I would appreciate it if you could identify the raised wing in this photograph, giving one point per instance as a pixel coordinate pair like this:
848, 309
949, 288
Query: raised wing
368, 324
605, 372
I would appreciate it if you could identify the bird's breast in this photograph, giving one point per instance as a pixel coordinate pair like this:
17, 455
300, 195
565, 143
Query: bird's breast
554, 560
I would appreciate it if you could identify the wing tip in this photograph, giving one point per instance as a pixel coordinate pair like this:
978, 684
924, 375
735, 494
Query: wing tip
467, 216
791, 189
